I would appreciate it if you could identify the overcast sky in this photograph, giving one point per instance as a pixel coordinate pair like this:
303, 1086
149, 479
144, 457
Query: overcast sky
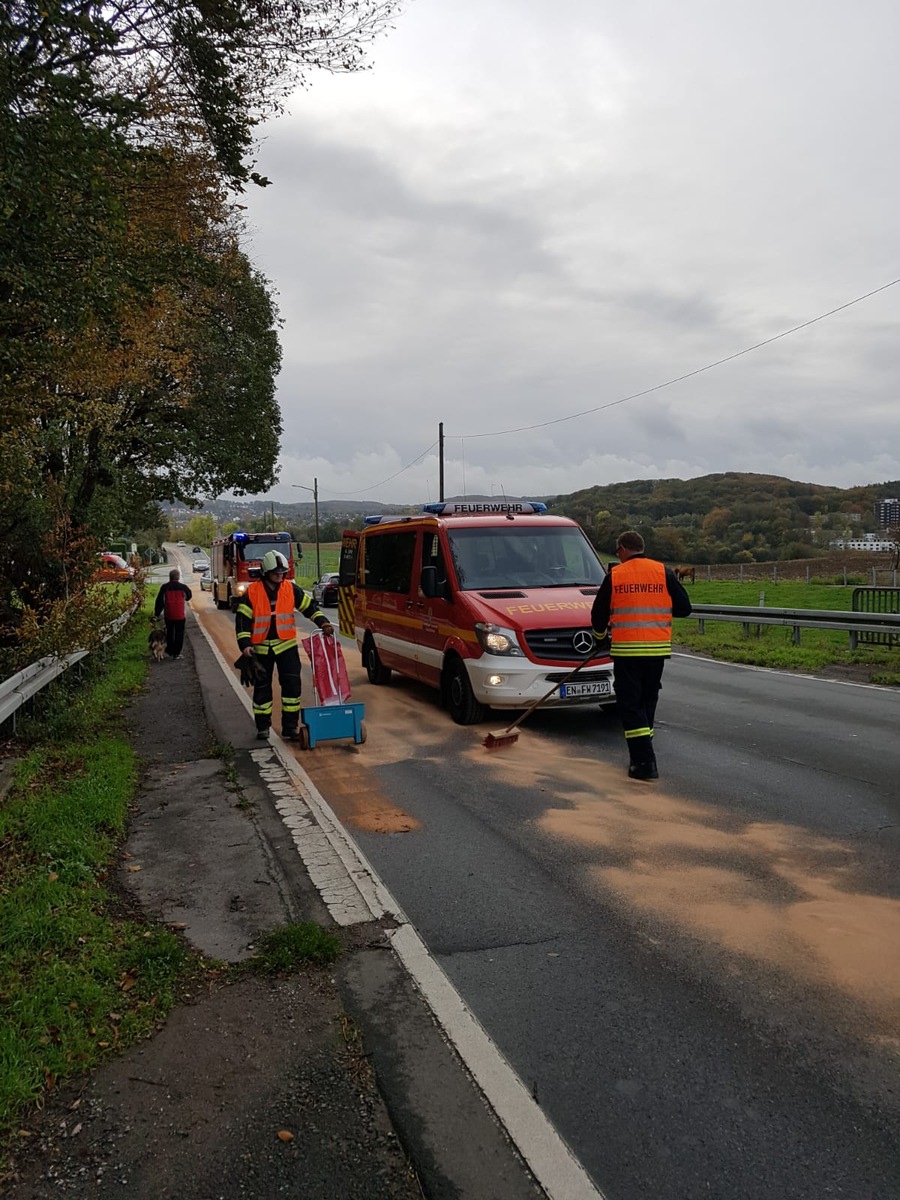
526, 210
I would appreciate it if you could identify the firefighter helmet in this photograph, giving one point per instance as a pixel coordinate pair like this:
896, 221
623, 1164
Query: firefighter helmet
274, 561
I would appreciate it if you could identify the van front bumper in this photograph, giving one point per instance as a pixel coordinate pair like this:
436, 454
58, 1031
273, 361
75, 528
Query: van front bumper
501, 683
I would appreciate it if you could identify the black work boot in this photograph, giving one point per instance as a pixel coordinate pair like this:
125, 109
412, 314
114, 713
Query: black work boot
644, 770
262, 735
290, 733
643, 760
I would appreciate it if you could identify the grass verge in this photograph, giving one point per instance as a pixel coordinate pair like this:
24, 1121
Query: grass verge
79, 977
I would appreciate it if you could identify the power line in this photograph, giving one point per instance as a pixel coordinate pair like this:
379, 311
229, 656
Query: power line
371, 488
680, 378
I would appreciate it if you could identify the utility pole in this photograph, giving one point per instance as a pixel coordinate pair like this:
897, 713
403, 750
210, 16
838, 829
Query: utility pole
315, 491
316, 508
441, 460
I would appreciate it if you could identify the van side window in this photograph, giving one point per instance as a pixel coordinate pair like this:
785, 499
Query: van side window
388, 561
433, 556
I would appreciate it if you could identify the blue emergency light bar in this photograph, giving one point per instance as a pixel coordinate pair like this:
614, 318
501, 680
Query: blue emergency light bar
484, 508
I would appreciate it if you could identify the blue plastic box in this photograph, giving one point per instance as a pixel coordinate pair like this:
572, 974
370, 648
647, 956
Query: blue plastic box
329, 722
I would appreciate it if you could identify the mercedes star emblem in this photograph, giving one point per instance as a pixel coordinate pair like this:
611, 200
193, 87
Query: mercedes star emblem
583, 641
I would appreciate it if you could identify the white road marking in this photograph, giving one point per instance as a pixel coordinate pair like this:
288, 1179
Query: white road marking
717, 662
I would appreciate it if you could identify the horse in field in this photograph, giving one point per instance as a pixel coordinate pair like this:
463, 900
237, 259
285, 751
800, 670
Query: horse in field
686, 574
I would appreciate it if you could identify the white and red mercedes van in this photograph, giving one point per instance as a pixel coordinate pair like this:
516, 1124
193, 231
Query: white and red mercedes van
490, 603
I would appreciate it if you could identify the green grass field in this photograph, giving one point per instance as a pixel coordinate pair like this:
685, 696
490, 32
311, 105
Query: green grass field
771, 645
329, 557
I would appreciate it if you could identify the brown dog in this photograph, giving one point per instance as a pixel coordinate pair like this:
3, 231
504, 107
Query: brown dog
157, 642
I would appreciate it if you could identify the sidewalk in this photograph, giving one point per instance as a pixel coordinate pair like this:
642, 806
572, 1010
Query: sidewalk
348, 1065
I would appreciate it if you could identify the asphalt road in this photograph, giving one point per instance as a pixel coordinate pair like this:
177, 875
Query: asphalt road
699, 979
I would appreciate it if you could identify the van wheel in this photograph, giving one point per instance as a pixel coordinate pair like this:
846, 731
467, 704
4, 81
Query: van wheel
218, 603
375, 668
458, 695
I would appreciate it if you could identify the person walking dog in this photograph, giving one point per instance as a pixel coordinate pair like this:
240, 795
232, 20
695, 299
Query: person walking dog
266, 628
636, 603
171, 601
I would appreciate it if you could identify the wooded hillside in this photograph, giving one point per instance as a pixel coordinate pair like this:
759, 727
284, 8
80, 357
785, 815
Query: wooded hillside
730, 517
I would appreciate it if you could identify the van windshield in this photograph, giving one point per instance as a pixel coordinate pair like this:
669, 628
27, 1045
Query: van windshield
524, 556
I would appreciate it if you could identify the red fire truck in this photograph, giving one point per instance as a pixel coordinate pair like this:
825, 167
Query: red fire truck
235, 561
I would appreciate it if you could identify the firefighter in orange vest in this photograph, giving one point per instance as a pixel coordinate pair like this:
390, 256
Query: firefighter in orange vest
265, 627
636, 602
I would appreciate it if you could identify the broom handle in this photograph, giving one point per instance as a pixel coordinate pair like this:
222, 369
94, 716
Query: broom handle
540, 700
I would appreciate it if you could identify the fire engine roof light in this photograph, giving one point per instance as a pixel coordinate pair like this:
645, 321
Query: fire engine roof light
239, 537
477, 508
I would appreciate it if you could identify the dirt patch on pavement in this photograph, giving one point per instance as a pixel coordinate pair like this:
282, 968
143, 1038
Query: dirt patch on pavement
258, 1089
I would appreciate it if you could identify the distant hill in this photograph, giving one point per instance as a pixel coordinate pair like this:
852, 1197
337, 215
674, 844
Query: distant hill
729, 517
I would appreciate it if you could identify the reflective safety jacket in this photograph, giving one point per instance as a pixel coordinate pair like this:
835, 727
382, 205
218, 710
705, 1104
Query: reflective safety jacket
640, 616
259, 610
265, 608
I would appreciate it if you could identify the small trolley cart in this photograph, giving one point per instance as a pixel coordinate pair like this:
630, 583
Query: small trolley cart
332, 717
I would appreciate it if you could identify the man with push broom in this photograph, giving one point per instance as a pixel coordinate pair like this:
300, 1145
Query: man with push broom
637, 601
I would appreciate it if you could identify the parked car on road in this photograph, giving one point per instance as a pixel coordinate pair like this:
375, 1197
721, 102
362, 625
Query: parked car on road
206, 581
325, 592
112, 568
199, 565
197, 550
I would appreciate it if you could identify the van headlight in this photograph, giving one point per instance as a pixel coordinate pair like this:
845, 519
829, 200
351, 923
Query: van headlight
496, 640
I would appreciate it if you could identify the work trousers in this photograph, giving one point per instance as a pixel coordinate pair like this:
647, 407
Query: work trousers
637, 683
174, 638
272, 655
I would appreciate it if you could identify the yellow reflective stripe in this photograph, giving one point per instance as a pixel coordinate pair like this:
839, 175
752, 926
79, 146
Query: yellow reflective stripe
281, 645
646, 731
263, 710
641, 649
290, 706
275, 645
245, 610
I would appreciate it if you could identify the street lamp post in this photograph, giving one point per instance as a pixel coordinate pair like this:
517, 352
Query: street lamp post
315, 491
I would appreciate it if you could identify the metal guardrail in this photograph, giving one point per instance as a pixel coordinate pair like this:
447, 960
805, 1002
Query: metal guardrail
21, 687
852, 623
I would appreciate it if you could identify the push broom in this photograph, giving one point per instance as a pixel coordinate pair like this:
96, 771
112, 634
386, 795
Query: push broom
500, 738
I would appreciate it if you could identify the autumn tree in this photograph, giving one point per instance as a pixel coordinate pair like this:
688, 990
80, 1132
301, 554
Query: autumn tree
138, 346
200, 530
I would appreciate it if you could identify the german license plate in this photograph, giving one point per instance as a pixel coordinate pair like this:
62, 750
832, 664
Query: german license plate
600, 687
